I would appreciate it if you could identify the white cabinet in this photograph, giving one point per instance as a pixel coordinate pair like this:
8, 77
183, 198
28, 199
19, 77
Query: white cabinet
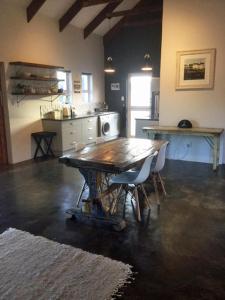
69, 132
89, 130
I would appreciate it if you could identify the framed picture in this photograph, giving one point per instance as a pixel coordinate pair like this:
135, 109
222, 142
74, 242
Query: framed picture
195, 69
115, 86
77, 86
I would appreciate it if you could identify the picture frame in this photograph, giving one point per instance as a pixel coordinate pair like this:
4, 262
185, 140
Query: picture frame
115, 86
77, 86
195, 69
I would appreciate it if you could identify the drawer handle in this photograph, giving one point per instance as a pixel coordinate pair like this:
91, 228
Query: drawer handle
90, 128
71, 123
71, 132
90, 138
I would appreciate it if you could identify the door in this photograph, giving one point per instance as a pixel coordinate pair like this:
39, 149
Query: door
139, 100
3, 146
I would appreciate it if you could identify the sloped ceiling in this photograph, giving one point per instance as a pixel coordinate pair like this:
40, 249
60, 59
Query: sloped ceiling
57, 8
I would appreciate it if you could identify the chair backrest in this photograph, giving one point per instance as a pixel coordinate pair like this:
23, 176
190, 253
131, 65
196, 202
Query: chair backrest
160, 162
145, 169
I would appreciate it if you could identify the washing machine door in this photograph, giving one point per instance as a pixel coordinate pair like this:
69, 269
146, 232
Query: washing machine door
105, 128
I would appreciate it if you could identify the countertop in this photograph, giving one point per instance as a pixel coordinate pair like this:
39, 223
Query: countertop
147, 118
96, 114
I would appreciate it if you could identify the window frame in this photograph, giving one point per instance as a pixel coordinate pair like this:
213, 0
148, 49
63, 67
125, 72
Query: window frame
89, 90
67, 98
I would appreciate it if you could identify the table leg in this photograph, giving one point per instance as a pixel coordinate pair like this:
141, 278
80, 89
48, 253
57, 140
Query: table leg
216, 151
97, 212
93, 179
48, 142
38, 142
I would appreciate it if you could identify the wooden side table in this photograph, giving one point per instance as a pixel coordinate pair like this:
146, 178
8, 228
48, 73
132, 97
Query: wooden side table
46, 137
211, 135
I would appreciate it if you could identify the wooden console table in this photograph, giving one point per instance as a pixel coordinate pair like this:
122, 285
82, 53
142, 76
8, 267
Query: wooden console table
211, 135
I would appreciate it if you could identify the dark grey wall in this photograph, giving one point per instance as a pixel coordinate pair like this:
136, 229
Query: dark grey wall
127, 49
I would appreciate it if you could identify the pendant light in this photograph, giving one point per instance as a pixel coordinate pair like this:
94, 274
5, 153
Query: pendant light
109, 66
147, 63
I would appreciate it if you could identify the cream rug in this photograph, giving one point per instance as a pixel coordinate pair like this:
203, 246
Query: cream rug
33, 267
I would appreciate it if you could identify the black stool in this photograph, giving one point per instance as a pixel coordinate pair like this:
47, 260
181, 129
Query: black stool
47, 137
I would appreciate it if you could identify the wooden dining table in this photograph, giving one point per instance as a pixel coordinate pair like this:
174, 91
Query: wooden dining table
106, 158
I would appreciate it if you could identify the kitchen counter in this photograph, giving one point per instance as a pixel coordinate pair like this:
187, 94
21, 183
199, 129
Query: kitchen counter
83, 128
82, 116
146, 118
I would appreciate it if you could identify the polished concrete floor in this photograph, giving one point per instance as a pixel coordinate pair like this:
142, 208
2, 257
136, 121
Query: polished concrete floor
177, 252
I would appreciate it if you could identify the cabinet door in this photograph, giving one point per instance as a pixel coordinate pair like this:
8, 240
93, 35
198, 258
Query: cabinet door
71, 134
90, 130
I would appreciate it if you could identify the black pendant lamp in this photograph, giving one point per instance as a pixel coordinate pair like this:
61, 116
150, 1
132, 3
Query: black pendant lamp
109, 66
147, 66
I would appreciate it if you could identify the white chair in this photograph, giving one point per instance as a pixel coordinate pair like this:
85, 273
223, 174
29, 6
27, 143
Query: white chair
156, 177
133, 179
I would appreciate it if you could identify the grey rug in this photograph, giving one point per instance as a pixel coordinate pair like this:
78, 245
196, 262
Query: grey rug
34, 267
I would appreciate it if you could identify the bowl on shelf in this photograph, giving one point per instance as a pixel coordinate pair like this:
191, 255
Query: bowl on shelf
54, 89
27, 74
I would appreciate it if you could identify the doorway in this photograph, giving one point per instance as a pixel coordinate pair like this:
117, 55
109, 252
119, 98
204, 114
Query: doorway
139, 100
3, 144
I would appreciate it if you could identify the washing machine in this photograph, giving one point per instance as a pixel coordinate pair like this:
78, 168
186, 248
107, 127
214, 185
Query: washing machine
109, 125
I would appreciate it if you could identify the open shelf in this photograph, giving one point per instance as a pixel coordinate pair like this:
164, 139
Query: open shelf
27, 64
21, 89
36, 78
38, 94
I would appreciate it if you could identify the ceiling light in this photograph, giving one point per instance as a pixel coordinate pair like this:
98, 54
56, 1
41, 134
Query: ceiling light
109, 67
147, 63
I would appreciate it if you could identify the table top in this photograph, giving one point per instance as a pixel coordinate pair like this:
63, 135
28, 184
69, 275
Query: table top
192, 130
114, 156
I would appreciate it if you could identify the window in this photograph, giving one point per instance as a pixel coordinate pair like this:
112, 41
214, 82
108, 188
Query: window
87, 87
143, 99
139, 105
66, 85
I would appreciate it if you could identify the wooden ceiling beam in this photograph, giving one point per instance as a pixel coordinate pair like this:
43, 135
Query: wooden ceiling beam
33, 8
70, 14
75, 9
114, 30
131, 12
87, 3
142, 23
100, 18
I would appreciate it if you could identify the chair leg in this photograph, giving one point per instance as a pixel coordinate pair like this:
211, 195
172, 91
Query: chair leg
137, 204
80, 195
124, 204
162, 184
115, 200
156, 189
146, 197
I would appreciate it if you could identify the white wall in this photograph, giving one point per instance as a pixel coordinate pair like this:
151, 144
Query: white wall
40, 42
192, 25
